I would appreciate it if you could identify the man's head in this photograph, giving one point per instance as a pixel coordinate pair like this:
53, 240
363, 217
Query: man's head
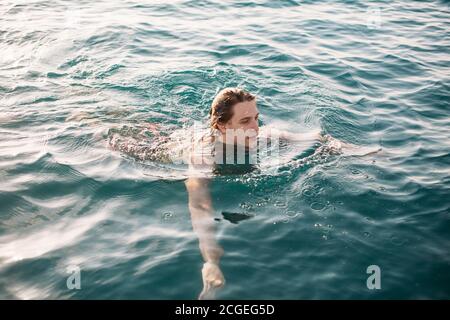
234, 110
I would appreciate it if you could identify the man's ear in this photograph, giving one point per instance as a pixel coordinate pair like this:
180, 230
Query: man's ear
221, 127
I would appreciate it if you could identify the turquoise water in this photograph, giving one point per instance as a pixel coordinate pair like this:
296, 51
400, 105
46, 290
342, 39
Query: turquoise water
374, 76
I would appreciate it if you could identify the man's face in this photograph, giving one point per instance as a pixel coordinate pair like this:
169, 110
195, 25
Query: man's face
244, 124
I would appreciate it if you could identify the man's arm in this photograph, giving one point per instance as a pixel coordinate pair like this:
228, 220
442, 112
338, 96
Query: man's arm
200, 207
329, 144
303, 139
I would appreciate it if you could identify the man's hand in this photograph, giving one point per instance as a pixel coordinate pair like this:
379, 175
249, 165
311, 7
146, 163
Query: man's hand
212, 280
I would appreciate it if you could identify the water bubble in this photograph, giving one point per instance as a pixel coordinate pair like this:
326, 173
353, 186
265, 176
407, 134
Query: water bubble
317, 206
246, 206
397, 241
280, 204
282, 220
293, 214
285, 219
167, 216
307, 192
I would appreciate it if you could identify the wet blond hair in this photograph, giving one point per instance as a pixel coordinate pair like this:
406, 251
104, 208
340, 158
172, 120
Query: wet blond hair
222, 106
